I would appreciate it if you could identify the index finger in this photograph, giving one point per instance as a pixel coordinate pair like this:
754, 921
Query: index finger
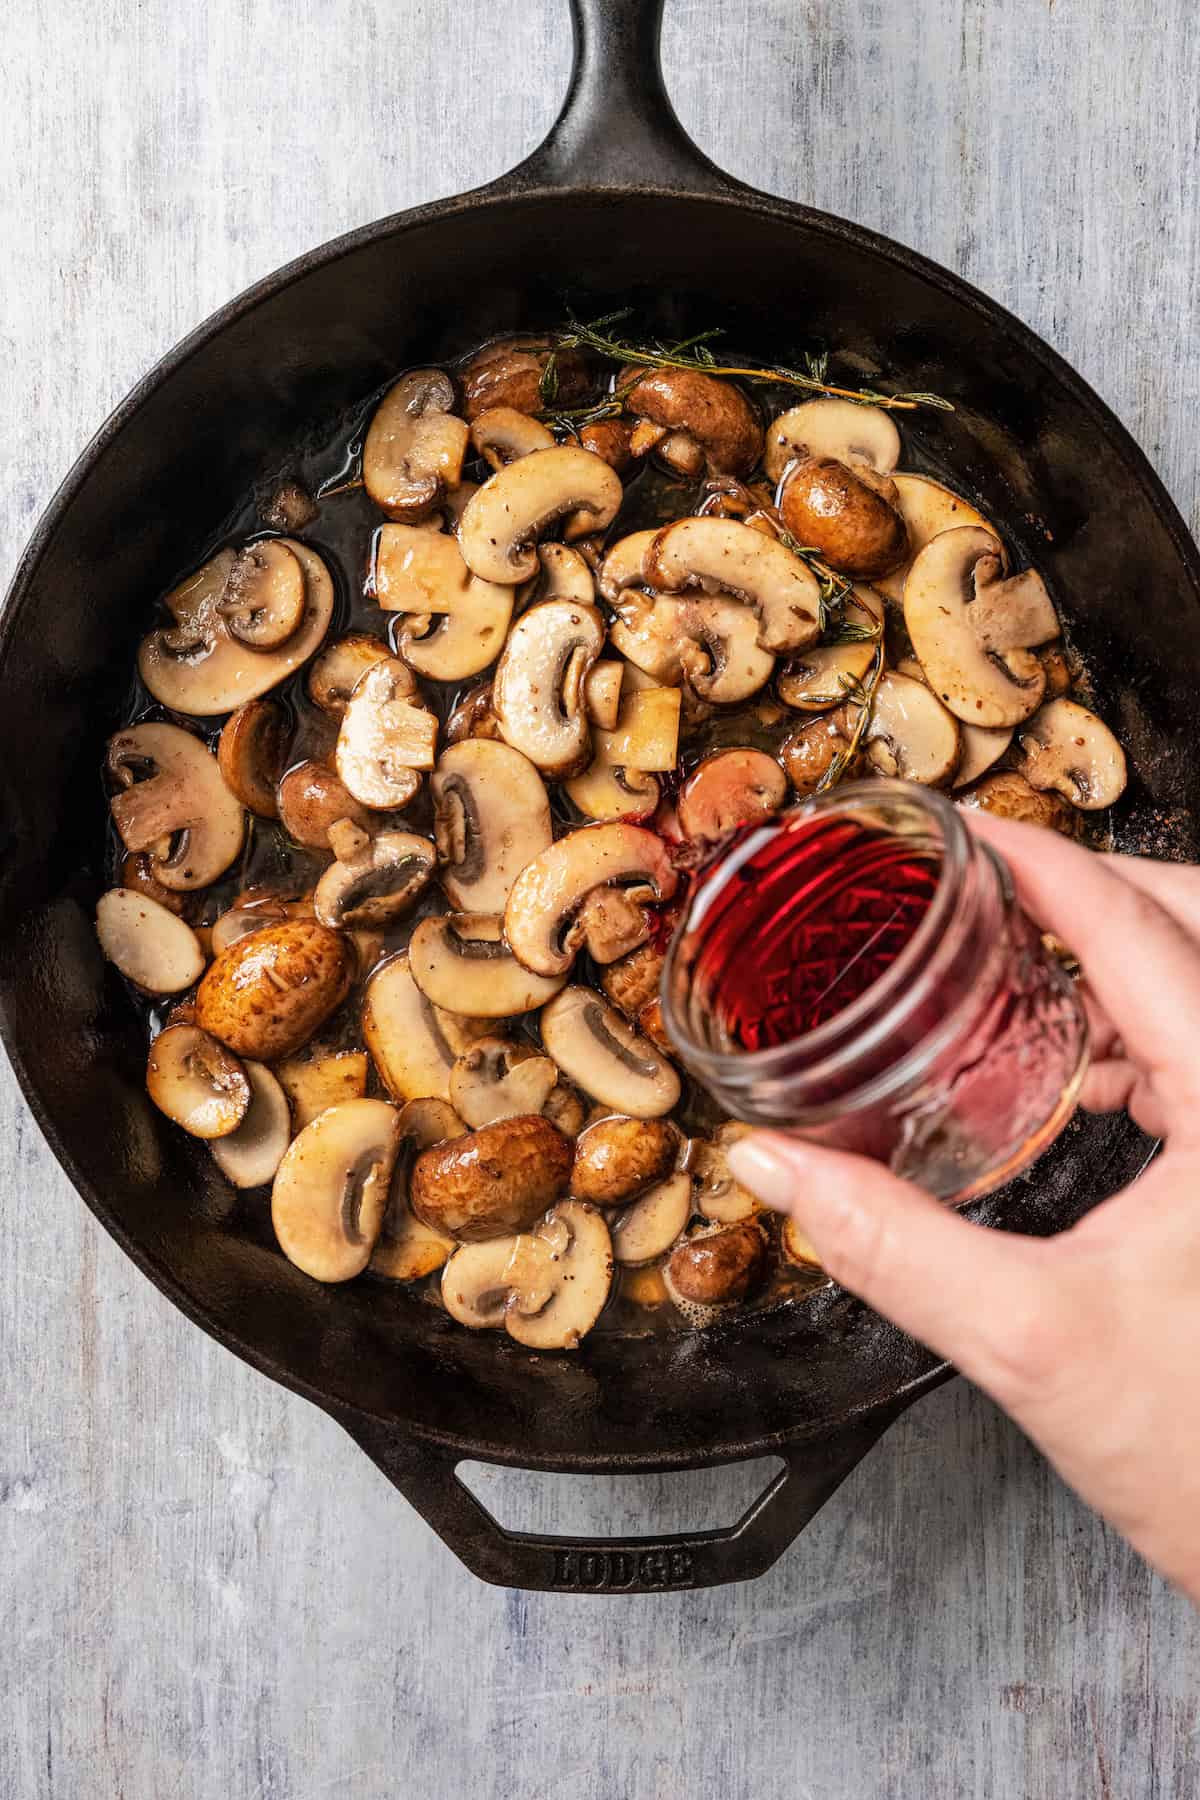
1139, 961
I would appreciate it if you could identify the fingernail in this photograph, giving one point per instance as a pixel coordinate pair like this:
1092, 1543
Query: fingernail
769, 1166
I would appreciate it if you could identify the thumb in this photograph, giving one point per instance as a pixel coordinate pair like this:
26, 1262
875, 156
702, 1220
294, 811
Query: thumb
972, 1295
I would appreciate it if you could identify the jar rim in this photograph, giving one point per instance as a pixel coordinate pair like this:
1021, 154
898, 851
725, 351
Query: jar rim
825, 1039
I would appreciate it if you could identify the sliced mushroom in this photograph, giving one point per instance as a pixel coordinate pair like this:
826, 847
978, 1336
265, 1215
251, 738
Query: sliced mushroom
646, 736
173, 792
843, 429
263, 600
715, 415
973, 631
927, 509
270, 992
479, 1279
518, 503
312, 799
320, 1078
510, 372
254, 913
1009, 796
724, 555
1068, 749
612, 922
849, 514
617, 1159
602, 1054
197, 1082
250, 1155
137, 872
491, 817
564, 575
817, 679
376, 886
606, 793
538, 693
633, 982
540, 917
336, 672
796, 1247
715, 1267
386, 740
402, 1032
719, 1198
576, 1284
719, 653
461, 962
473, 717
622, 565
415, 446
1059, 675
501, 434
602, 693
407, 1249
197, 666
500, 1079
331, 1189
981, 747
456, 623
729, 789
910, 734
496, 1180
150, 946
250, 754
651, 1224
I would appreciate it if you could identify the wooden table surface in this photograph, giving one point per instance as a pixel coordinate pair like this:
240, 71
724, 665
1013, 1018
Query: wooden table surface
205, 1594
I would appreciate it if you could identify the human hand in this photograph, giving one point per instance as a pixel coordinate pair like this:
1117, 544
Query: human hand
1091, 1340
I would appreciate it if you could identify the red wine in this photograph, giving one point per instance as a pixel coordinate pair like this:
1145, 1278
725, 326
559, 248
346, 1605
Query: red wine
811, 918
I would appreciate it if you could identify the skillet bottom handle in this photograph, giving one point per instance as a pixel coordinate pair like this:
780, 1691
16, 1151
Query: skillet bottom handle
428, 1479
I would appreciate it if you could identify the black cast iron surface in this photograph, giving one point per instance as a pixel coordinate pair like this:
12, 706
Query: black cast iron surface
617, 188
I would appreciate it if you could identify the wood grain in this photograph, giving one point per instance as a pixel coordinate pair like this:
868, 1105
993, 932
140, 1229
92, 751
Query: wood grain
203, 1591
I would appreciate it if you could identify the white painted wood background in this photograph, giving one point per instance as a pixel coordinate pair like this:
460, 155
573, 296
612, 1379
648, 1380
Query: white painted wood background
205, 1593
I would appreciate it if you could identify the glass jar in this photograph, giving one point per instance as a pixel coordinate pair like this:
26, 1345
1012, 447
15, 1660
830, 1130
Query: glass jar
909, 1010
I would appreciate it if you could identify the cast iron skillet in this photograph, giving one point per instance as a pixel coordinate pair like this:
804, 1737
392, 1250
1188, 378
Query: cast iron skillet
616, 206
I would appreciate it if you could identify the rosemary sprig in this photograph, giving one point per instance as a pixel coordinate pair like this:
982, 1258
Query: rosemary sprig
693, 353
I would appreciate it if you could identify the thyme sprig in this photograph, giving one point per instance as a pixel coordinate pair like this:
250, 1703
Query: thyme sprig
599, 336
860, 694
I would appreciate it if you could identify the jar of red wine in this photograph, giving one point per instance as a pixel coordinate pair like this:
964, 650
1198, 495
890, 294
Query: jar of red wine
860, 972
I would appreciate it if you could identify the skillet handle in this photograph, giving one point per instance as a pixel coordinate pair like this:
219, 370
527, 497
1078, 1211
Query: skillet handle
617, 127
427, 1477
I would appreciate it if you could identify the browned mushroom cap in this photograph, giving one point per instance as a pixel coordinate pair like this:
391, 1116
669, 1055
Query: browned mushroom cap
173, 794
927, 509
263, 600
538, 693
540, 917
501, 434
616, 1159
197, 666
250, 1155
331, 1189
288, 507
631, 983
715, 414
336, 672
1009, 796
509, 372
250, 754
602, 1054
910, 734
816, 679
853, 434
613, 440
270, 992
376, 884
498, 1078
810, 753
386, 739
407, 1249
455, 622
473, 717
651, 1224
149, 945
973, 631
311, 799
512, 509
196, 1082
848, 514
495, 1180
723, 555
319, 1078
714, 1268
415, 446
491, 817
1067, 748
462, 963
732, 788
